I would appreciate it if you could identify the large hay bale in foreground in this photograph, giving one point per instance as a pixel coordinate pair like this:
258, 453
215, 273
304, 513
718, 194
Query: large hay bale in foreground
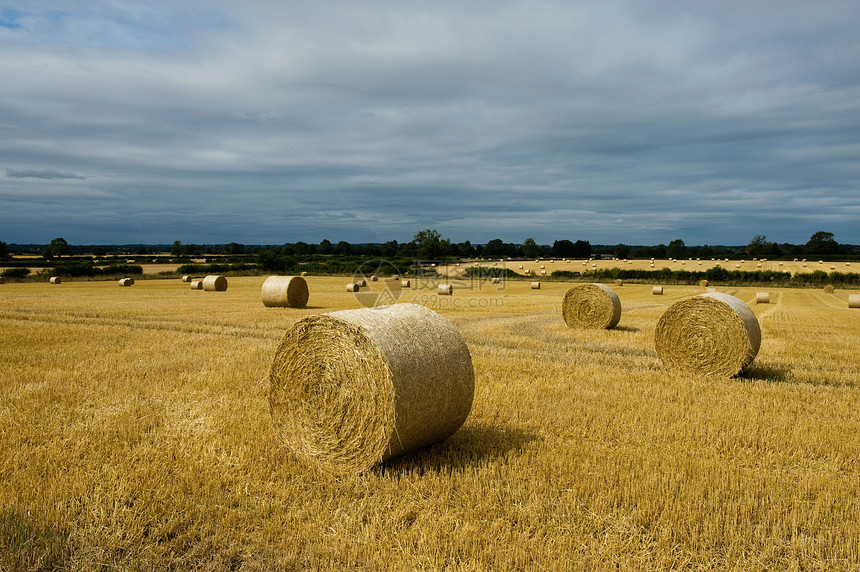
591, 306
350, 389
285, 292
214, 283
55, 280
197, 284
854, 301
711, 334
762, 297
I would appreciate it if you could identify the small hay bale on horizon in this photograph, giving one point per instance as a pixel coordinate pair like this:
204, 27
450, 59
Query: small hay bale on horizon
762, 297
186, 278
445, 289
285, 292
55, 280
703, 283
713, 334
591, 306
496, 280
535, 285
351, 389
657, 290
214, 283
126, 281
619, 282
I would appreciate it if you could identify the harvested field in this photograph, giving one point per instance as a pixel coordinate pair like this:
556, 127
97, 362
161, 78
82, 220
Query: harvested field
137, 435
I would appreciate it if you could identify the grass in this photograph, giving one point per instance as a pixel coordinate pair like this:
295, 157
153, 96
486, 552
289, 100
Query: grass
136, 435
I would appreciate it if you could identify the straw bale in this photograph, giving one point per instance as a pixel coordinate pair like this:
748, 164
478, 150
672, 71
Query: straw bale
762, 297
535, 285
361, 283
197, 284
703, 283
591, 306
126, 281
214, 283
186, 278
619, 282
304, 273
854, 300
351, 389
55, 280
711, 334
285, 292
829, 289
445, 289
497, 280
353, 287
374, 278
657, 290
405, 284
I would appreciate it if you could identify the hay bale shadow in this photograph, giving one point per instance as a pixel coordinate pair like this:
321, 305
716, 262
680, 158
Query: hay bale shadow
768, 372
471, 446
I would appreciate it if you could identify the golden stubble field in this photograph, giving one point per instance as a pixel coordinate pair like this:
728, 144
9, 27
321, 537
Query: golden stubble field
136, 435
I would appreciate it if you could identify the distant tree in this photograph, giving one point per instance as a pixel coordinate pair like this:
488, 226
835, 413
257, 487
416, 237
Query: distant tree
97, 251
466, 250
621, 250
757, 245
57, 248
822, 243
563, 248
493, 248
676, 249
176, 249
658, 251
531, 249
430, 244
388, 249
325, 247
343, 248
232, 248
303, 248
4, 250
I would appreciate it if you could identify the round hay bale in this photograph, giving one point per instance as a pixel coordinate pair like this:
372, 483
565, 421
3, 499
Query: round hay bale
711, 334
353, 287
542, 266
213, 283
535, 285
350, 389
361, 283
374, 278
497, 280
703, 283
285, 292
591, 306
126, 281
828, 289
55, 280
303, 274
186, 278
405, 284
619, 282
762, 297
395, 276
543, 272
197, 284
657, 290
854, 300
445, 289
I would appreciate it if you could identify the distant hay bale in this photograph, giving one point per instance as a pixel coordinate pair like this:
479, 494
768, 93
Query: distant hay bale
186, 278
521, 266
762, 297
711, 334
361, 283
55, 280
542, 266
619, 282
351, 389
828, 289
445, 289
353, 287
535, 285
497, 280
591, 306
197, 284
657, 290
405, 284
285, 292
543, 272
214, 283
703, 283
395, 276
126, 281
374, 278
304, 273
854, 301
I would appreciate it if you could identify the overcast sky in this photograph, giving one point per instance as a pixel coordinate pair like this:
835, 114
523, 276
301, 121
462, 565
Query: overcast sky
638, 121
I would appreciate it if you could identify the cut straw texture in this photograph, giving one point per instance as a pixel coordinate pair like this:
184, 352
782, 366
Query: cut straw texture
762, 297
214, 283
591, 306
854, 301
351, 389
285, 292
712, 334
